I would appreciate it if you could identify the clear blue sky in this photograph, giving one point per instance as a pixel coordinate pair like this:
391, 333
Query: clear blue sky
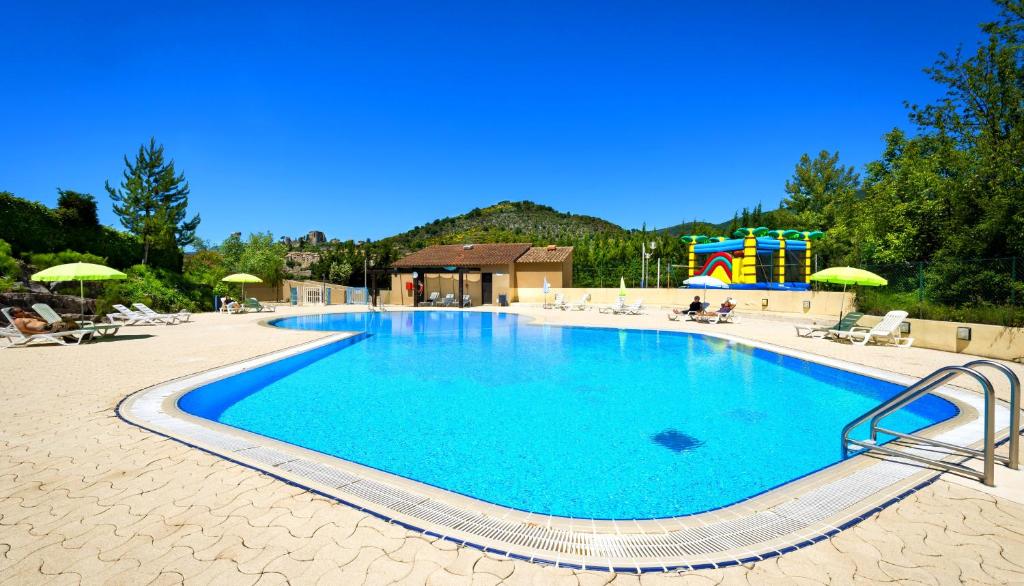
364, 119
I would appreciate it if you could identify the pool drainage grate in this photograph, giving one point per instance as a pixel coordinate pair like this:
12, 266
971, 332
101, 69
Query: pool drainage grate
720, 538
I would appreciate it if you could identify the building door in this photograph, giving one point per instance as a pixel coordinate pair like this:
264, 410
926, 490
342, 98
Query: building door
486, 282
295, 295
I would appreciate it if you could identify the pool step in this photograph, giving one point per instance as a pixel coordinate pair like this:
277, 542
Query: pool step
925, 385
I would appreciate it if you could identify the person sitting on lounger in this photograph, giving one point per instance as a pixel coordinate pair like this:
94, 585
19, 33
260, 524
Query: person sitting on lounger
696, 307
30, 323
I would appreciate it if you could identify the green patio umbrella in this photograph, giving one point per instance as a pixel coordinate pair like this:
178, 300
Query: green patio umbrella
242, 278
81, 272
622, 286
848, 276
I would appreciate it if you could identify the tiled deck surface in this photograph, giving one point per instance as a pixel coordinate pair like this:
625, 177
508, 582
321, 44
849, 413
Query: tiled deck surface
85, 497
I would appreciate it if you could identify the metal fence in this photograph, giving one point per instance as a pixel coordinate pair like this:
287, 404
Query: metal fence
356, 295
670, 275
987, 290
957, 282
973, 290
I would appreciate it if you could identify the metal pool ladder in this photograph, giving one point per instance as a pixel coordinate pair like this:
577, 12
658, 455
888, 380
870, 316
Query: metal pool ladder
930, 383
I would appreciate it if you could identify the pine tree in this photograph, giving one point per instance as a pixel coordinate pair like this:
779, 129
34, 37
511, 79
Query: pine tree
757, 218
152, 200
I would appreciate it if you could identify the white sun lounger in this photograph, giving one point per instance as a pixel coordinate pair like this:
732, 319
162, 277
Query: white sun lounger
634, 309
432, 300
16, 337
180, 316
558, 303
582, 304
886, 331
127, 317
691, 315
617, 307
449, 300
721, 318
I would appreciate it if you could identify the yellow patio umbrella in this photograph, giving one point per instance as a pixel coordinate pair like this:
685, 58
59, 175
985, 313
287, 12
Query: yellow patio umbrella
242, 278
848, 276
81, 272
622, 286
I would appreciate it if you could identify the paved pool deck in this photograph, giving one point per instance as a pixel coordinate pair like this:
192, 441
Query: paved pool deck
88, 498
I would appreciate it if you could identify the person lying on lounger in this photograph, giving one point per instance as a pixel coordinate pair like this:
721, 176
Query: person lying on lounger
727, 306
30, 323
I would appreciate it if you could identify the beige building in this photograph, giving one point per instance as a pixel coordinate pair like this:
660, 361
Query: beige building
485, 272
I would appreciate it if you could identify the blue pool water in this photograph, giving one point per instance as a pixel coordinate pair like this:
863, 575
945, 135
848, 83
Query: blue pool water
580, 422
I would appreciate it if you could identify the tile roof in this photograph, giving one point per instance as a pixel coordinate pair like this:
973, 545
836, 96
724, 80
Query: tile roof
456, 255
546, 254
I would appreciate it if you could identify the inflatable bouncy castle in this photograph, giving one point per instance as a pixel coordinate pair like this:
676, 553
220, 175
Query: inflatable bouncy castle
754, 258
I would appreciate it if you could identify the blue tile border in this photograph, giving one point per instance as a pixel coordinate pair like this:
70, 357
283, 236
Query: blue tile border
541, 561
725, 563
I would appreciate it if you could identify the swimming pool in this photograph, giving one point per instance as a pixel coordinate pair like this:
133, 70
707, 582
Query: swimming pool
568, 421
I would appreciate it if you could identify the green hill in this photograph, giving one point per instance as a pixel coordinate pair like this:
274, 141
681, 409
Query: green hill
507, 221
696, 227
776, 218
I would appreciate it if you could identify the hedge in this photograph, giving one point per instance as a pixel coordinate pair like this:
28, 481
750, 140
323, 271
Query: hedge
31, 227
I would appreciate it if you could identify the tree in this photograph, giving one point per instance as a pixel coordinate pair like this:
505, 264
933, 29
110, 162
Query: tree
982, 119
820, 188
76, 209
951, 194
757, 217
231, 250
259, 255
152, 201
904, 216
734, 224
339, 272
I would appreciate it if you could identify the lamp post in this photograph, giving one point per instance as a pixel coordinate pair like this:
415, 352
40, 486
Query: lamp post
369, 299
653, 246
645, 258
364, 268
643, 264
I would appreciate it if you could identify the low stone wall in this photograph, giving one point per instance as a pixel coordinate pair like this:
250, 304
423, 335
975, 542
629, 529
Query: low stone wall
66, 305
819, 303
986, 340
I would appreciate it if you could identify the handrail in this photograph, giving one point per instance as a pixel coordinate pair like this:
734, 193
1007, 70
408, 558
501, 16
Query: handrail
1014, 449
906, 396
923, 385
1013, 460
917, 389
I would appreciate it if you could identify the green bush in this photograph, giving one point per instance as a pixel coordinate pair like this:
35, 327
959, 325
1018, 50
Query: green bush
9, 268
205, 269
45, 260
160, 289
